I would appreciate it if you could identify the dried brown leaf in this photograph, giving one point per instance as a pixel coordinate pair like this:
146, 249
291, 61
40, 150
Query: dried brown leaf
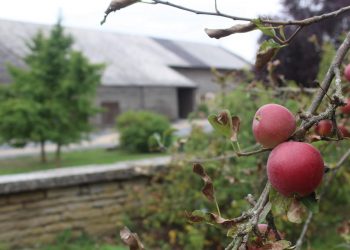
223, 118
227, 223
268, 49
235, 128
262, 58
117, 5
313, 138
296, 212
196, 216
239, 28
278, 245
208, 188
131, 239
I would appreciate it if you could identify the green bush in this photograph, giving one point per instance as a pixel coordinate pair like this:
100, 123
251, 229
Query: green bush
136, 127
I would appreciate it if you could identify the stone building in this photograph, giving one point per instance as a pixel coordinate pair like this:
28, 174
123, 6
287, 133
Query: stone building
166, 76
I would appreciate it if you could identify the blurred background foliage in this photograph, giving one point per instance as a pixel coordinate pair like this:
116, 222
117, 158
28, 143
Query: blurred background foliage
161, 220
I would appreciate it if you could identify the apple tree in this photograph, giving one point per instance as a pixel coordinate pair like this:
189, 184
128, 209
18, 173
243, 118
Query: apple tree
295, 168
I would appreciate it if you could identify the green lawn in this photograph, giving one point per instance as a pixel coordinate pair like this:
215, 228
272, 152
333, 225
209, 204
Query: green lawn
64, 241
75, 158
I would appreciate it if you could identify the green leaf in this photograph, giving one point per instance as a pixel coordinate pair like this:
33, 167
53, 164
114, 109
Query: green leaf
310, 202
267, 30
280, 203
269, 44
221, 123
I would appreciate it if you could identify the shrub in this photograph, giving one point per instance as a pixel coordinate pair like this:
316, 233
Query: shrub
136, 127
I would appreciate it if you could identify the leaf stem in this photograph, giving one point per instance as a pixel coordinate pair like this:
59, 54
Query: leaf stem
217, 206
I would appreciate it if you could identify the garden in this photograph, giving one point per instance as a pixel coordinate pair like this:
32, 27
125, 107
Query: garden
271, 173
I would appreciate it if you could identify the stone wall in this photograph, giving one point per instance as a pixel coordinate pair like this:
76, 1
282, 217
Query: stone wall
36, 207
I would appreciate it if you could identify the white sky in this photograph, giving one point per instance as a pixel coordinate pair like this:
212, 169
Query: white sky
145, 19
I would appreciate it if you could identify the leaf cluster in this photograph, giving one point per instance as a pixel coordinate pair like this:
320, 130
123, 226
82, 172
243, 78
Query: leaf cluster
139, 130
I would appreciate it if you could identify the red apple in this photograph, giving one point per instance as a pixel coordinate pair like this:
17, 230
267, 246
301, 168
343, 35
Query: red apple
272, 125
324, 128
347, 72
295, 168
346, 109
344, 131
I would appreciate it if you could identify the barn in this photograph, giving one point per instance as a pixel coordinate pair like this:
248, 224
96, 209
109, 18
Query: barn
142, 73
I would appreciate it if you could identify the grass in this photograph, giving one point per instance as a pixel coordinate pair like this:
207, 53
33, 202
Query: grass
66, 242
25, 164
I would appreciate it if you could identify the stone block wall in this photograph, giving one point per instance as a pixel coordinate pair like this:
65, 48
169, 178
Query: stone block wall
92, 200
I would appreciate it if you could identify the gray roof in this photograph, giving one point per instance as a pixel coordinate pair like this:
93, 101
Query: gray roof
131, 60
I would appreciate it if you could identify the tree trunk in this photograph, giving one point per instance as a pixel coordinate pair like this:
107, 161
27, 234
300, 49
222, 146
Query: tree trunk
58, 155
42, 152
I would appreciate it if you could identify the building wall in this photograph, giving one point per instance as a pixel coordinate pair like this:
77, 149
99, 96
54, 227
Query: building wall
162, 100
204, 80
202, 77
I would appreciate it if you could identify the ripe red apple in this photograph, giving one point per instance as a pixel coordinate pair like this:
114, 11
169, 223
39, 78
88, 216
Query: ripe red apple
347, 72
346, 109
344, 131
272, 125
324, 128
295, 168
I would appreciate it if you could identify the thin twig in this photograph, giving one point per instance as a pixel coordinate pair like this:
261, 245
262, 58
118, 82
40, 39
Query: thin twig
310, 20
300, 240
339, 57
220, 157
271, 223
303, 22
338, 87
216, 7
324, 87
239, 241
293, 35
254, 152
199, 12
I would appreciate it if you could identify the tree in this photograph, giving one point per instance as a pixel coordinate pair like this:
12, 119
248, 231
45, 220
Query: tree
52, 98
288, 199
74, 101
310, 40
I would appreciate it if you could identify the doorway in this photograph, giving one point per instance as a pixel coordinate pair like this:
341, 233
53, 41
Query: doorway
185, 100
109, 114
